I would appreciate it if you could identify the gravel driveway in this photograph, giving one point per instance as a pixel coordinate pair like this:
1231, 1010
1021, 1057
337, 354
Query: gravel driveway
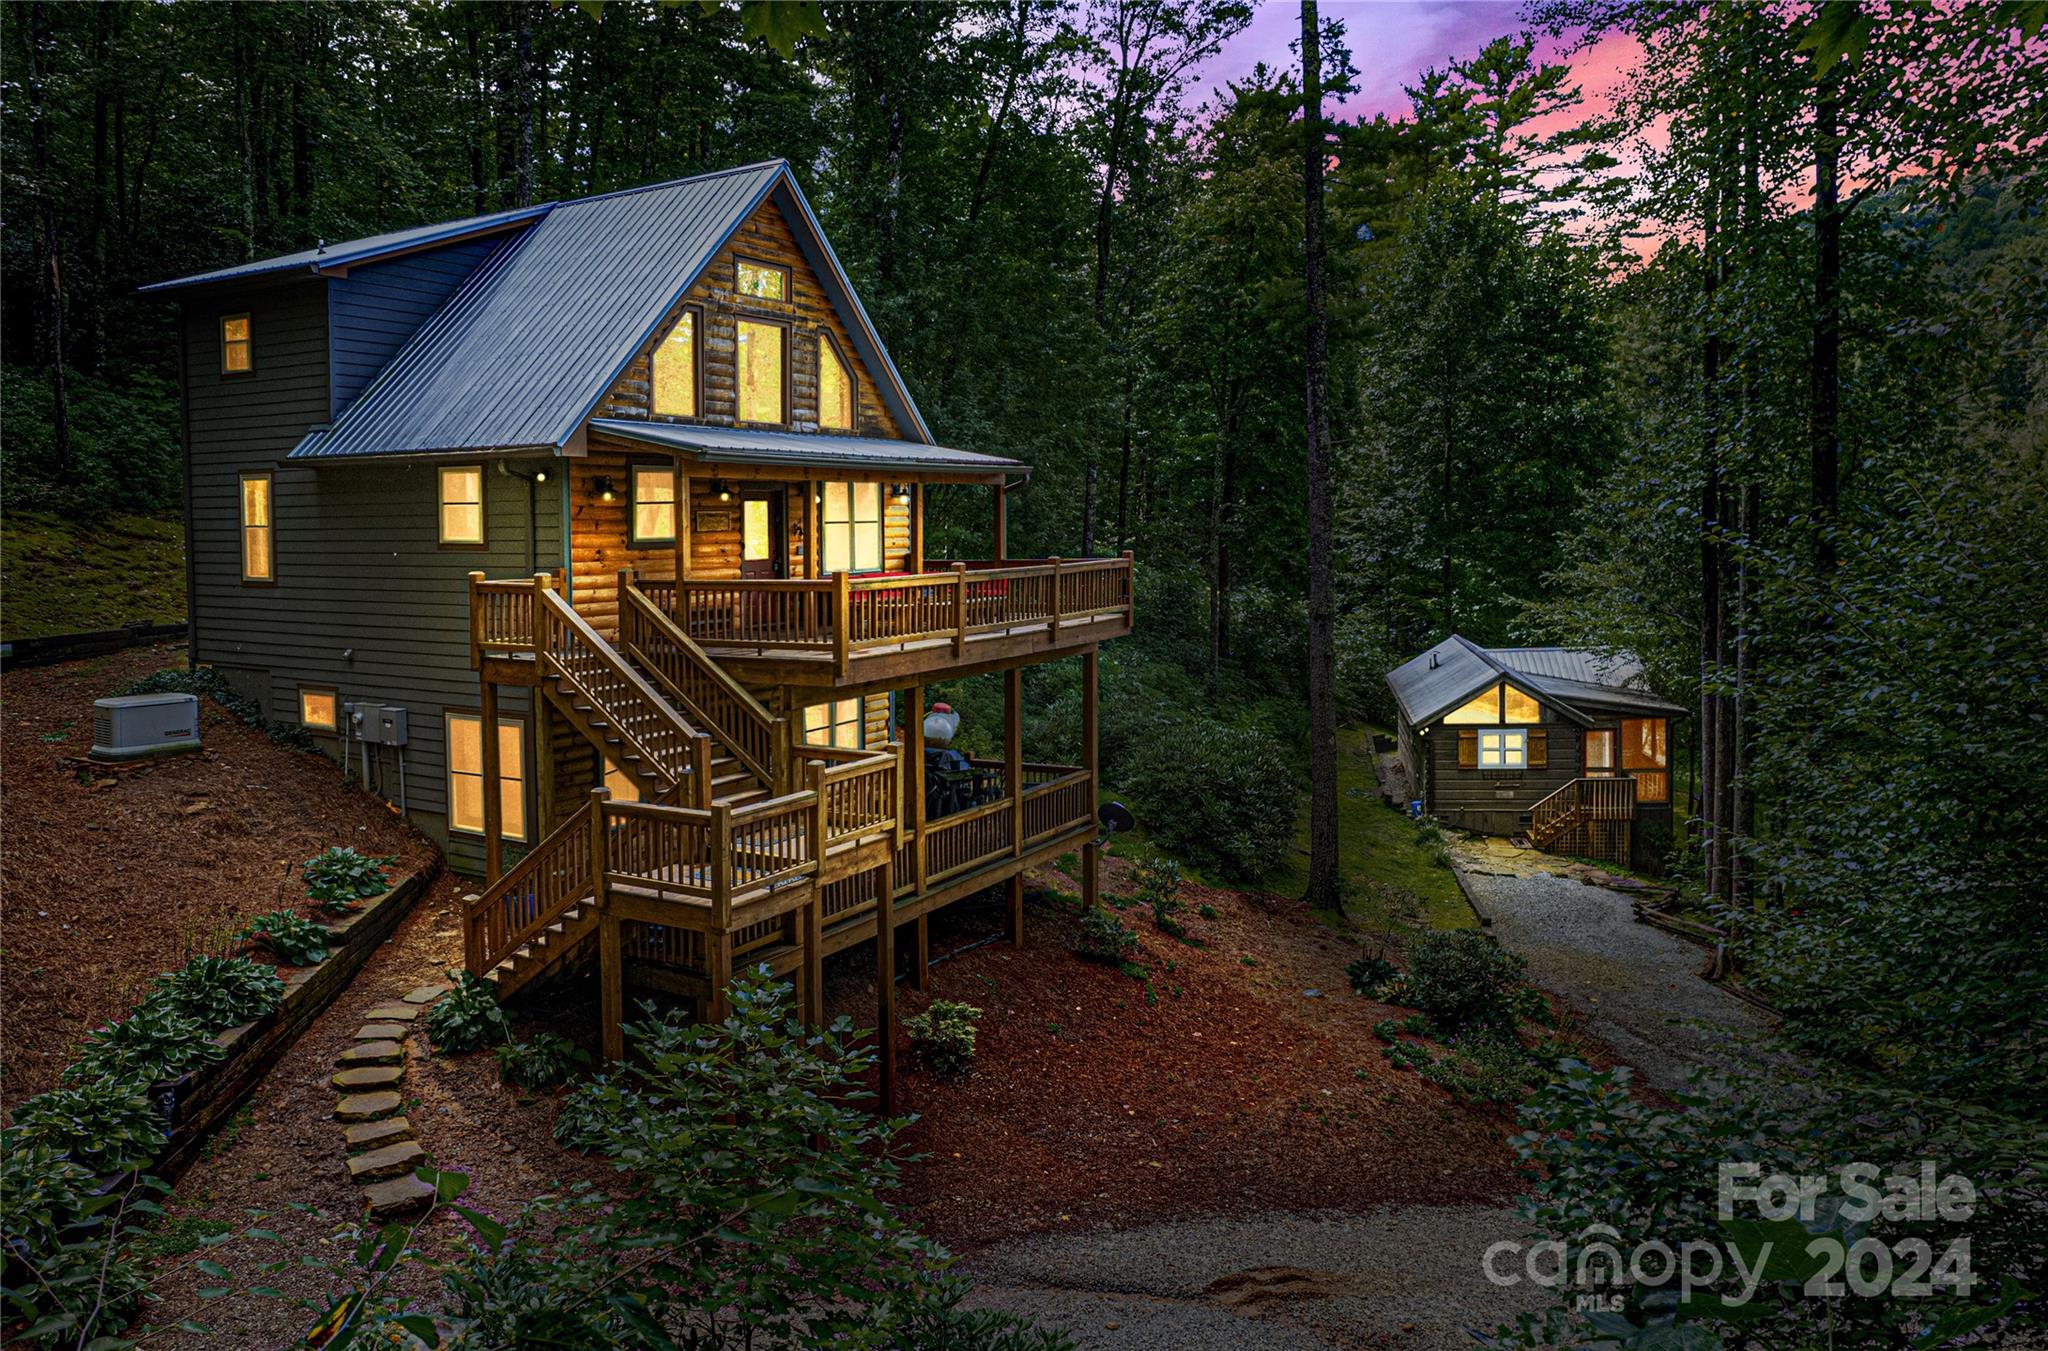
1638, 988
1400, 1276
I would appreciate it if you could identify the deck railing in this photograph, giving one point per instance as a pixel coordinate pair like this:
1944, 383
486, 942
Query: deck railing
572, 651
509, 913
697, 685
1578, 801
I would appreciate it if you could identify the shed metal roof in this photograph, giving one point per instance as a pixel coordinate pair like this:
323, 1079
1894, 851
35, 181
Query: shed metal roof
1572, 680
339, 257
728, 445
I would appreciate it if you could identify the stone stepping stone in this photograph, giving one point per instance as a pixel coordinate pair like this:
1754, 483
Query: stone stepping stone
397, 1196
392, 1013
427, 994
372, 1053
382, 1032
387, 1161
377, 1134
367, 1106
369, 1076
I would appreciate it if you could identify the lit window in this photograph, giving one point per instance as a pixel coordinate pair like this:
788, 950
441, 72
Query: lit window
835, 388
852, 527
760, 372
1484, 708
757, 535
1503, 748
1520, 707
654, 504
1644, 754
258, 564
761, 281
317, 710
624, 787
237, 347
462, 504
1600, 749
675, 369
466, 776
835, 724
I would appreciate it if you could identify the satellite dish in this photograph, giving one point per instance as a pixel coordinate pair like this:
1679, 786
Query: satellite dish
1116, 818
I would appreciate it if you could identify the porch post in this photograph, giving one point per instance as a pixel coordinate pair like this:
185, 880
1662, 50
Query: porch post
1002, 520
885, 978
682, 532
914, 734
916, 528
1013, 754
494, 827
1091, 760
610, 969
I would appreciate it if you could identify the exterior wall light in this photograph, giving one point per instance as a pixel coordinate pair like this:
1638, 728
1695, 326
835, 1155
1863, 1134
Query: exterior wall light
603, 487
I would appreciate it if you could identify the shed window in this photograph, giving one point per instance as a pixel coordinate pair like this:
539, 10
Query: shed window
466, 776
760, 372
761, 281
1645, 755
852, 527
259, 563
675, 369
835, 387
317, 710
462, 504
654, 504
237, 345
840, 723
1503, 748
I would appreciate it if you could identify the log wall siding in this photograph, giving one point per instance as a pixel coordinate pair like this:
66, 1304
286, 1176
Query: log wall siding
765, 236
1492, 801
365, 601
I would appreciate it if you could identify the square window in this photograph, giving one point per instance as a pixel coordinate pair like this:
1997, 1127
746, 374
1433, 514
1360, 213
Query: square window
841, 723
462, 504
237, 345
760, 372
466, 776
654, 504
760, 281
318, 710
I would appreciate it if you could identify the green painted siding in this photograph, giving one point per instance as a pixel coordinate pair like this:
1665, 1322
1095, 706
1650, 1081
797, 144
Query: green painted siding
1493, 801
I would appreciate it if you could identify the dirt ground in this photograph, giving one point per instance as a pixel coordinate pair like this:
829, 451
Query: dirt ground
111, 875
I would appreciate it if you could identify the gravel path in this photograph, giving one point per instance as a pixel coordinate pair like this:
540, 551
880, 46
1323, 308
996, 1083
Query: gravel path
1638, 988
1400, 1276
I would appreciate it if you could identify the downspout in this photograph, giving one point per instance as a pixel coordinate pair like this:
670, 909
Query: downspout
185, 444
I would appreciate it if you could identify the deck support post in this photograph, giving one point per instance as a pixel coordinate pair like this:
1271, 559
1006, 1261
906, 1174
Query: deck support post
885, 980
921, 972
494, 826
814, 959
1014, 904
718, 940
1013, 754
1091, 760
914, 733
611, 974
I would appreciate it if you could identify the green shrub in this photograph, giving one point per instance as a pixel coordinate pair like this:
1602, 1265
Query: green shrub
942, 1037
42, 1193
1464, 980
339, 877
154, 1043
1485, 1067
221, 992
1104, 937
1369, 973
547, 1060
1158, 886
594, 1112
292, 939
1216, 793
468, 1018
104, 1125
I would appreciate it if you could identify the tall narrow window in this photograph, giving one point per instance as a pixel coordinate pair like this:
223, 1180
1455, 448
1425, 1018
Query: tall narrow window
841, 723
760, 372
1644, 755
675, 369
258, 561
466, 776
760, 281
852, 527
317, 711
654, 504
237, 345
462, 504
835, 387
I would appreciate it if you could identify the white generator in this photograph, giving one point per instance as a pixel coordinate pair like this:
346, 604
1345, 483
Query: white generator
130, 726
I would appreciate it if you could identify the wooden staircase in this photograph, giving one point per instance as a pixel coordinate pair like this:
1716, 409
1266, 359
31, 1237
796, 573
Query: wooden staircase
1588, 817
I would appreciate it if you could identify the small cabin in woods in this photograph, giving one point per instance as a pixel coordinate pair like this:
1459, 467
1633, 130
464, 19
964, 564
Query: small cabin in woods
1564, 746
591, 534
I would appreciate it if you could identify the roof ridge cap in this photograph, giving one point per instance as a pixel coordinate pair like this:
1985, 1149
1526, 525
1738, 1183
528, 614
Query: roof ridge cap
675, 182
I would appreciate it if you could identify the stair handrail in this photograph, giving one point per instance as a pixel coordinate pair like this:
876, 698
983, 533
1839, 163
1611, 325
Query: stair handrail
747, 728
675, 763
1554, 807
488, 935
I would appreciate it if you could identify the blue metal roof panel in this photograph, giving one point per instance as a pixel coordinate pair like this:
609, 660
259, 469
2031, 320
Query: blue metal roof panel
524, 351
730, 445
349, 252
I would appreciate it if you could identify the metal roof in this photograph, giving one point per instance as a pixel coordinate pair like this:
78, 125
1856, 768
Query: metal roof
1569, 679
527, 349
727, 445
329, 258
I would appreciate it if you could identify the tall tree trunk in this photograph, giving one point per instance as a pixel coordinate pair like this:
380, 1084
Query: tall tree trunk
33, 36
1825, 377
96, 244
1325, 888
523, 174
1711, 604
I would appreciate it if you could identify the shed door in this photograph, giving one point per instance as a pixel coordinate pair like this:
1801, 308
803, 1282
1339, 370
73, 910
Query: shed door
761, 535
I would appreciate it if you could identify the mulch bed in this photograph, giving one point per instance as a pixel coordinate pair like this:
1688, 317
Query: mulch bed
113, 874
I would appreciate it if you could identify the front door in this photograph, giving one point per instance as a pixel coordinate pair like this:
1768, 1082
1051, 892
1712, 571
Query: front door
762, 551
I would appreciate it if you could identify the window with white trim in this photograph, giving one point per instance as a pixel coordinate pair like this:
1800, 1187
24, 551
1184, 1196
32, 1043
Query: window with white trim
1503, 748
466, 775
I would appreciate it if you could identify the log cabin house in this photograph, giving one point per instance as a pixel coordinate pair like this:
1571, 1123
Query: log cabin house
591, 535
1563, 746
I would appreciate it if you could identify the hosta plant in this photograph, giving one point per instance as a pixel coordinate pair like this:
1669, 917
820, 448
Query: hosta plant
468, 1018
221, 992
292, 939
547, 1060
42, 1193
104, 1125
155, 1042
340, 877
